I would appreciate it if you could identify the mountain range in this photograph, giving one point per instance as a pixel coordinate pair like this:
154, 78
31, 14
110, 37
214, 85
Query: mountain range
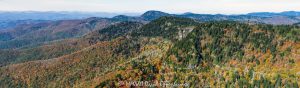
164, 50
13, 19
10, 19
270, 14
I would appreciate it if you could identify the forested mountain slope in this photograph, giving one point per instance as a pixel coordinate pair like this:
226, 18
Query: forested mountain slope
177, 50
62, 47
32, 35
222, 54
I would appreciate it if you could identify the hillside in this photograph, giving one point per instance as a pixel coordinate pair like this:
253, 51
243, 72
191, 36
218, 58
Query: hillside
62, 47
169, 49
32, 35
221, 54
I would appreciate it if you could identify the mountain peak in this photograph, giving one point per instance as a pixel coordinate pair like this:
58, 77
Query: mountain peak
154, 11
152, 14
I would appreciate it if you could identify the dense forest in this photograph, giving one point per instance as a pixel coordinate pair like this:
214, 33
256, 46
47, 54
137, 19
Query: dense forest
221, 54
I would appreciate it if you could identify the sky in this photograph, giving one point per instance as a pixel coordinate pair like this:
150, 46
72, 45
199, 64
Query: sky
140, 6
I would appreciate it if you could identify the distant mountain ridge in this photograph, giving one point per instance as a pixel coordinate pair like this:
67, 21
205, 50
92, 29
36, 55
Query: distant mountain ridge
270, 14
11, 24
10, 19
25, 35
288, 17
51, 15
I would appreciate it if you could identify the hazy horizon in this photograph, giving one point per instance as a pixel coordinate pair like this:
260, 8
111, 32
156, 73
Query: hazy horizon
140, 6
134, 13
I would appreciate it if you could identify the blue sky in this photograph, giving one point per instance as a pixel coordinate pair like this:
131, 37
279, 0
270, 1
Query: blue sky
139, 6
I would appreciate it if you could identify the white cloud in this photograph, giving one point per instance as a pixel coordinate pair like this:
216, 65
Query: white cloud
199, 6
